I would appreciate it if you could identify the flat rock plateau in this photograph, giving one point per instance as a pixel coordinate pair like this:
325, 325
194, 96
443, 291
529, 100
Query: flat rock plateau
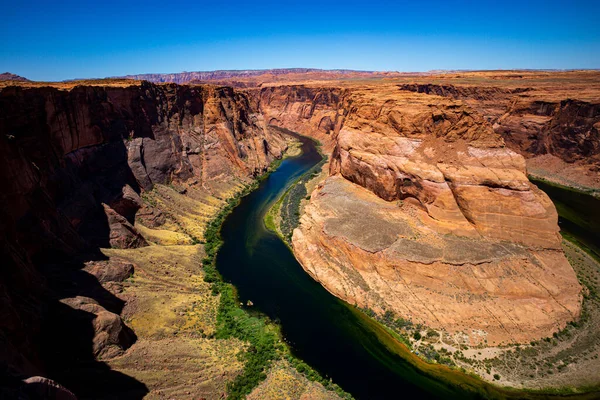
426, 213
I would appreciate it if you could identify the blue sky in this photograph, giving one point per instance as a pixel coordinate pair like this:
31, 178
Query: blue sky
56, 40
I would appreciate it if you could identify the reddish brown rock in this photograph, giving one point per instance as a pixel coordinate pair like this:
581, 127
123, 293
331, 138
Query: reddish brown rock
74, 162
38, 387
127, 203
112, 270
255, 77
314, 111
122, 235
538, 114
427, 214
111, 336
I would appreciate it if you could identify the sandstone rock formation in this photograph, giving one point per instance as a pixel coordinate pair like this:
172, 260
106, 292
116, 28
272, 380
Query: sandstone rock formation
38, 387
313, 110
73, 165
111, 337
567, 128
550, 118
429, 215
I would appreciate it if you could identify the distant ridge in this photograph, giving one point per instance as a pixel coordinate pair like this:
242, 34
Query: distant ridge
7, 76
220, 75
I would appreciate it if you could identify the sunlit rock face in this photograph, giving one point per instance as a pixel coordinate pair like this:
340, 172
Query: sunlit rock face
426, 213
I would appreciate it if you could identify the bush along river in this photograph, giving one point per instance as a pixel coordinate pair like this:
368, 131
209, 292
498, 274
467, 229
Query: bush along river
335, 339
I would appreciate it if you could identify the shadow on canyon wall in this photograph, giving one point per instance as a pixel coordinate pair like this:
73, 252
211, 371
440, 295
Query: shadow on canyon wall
67, 191
73, 164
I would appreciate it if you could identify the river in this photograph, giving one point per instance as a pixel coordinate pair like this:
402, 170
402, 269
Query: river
323, 331
578, 215
331, 336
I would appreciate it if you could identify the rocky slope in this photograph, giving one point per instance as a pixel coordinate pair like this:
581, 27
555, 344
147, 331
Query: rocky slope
428, 214
566, 128
75, 164
313, 110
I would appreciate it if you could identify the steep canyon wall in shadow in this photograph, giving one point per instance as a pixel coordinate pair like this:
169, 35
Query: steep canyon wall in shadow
73, 166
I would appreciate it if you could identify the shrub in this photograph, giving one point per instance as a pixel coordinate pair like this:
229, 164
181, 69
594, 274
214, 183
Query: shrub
388, 317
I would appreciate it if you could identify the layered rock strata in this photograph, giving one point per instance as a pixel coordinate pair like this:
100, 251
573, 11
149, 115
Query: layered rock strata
556, 127
427, 214
315, 111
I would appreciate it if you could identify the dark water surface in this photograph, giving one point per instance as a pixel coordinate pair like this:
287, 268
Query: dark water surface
578, 215
321, 330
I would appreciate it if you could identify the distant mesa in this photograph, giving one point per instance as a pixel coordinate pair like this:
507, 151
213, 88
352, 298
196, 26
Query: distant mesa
7, 76
253, 76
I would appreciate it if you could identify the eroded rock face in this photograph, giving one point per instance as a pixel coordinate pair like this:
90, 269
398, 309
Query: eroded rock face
38, 387
378, 255
314, 111
112, 270
427, 214
248, 78
534, 121
111, 336
568, 129
73, 165
471, 191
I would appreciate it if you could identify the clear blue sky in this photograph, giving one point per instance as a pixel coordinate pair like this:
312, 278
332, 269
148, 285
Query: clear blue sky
56, 40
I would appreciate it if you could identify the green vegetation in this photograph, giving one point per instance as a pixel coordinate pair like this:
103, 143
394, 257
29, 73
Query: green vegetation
290, 206
459, 377
265, 345
286, 210
585, 190
314, 376
263, 337
232, 321
402, 329
270, 217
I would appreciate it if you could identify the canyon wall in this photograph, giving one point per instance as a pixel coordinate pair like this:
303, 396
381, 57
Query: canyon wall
315, 111
428, 214
73, 167
556, 128
531, 122
256, 77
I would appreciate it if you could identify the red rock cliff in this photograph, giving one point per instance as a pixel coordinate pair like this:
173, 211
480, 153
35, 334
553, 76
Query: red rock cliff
72, 167
428, 214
